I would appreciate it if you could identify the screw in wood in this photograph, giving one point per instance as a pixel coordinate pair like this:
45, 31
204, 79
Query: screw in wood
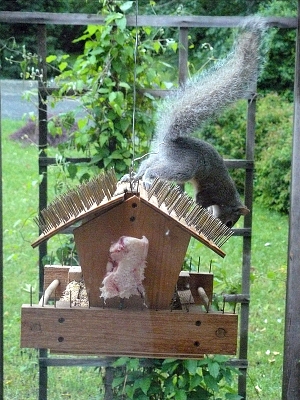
220, 332
121, 304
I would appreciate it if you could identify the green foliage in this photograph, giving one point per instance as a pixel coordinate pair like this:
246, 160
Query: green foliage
104, 77
204, 7
203, 379
273, 167
65, 254
278, 73
279, 63
13, 37
273, 185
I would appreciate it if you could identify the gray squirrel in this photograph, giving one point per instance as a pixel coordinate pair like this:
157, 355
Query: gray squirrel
175, 156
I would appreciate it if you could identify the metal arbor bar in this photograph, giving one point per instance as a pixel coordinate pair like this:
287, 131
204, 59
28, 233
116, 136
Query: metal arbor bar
291, 364
1, 264
109, 361
246, 263
43, 187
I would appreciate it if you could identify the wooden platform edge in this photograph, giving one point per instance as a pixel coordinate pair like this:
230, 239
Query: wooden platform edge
143, 333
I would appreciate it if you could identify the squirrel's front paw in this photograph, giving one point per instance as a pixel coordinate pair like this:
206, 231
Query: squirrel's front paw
125, 178
147, 183
127, 183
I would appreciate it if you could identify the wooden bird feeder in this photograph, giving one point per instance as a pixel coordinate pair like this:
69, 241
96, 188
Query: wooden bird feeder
150, 327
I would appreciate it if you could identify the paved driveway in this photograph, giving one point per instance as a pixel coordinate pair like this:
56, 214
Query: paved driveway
14, 106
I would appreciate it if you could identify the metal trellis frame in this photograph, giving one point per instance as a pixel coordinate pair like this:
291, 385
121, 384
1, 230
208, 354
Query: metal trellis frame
1, 263
291, 362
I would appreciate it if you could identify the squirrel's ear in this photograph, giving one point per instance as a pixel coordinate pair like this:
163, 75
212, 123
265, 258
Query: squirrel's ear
244, 210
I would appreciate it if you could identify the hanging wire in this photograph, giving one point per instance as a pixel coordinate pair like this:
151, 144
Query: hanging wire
134, 85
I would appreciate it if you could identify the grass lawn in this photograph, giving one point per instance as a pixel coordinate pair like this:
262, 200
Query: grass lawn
20, 186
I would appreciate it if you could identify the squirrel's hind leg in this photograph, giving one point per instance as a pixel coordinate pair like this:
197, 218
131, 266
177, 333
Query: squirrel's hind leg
172, 173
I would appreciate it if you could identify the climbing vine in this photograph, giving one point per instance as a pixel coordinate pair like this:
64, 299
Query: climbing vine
116, 59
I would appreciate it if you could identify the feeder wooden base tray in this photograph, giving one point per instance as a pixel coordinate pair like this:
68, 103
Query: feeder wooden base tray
139, 333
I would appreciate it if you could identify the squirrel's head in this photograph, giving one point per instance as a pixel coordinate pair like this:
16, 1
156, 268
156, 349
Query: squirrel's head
229, 215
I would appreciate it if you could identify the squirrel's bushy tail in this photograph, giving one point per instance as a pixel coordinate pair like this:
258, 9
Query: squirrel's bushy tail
207, 94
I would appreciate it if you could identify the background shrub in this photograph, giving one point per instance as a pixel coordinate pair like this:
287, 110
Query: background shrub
274, 147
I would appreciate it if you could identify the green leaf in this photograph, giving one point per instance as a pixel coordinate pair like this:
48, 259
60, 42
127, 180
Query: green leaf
72, 170
201, 393
116, 155
121, 23
211, 383
51, 127
166, 64
79, 85
124, 85
195, 381
156, 46
180, 394
92, 29
230, 396
169, 365
214, 369
96, 158
112, 97
113, 17
126, 6
167, 85
133, 363
129, 391
81, 123
191, 366
120, 362
103, 90
203, 362
124, 124
220, 358
103, 139
174, 46
117, 381
62, 66
143, 383
51, 58
147, 30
